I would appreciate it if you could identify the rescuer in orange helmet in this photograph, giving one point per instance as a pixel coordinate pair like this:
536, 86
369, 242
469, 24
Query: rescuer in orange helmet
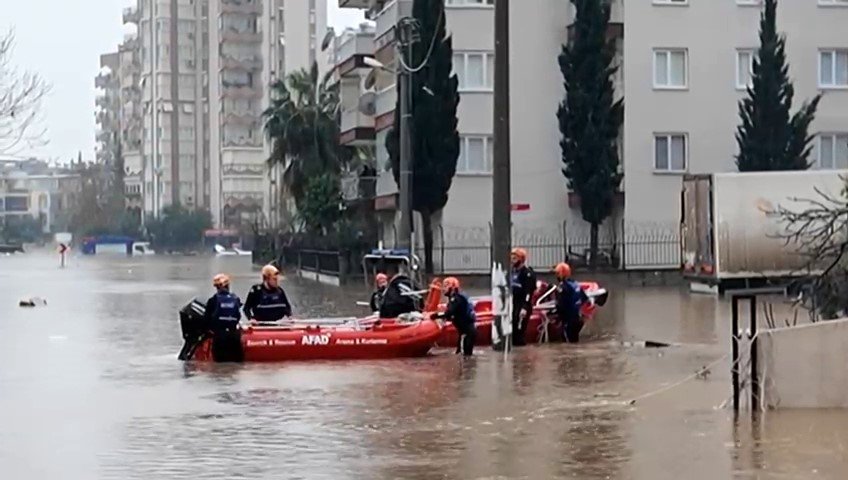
523, 283
222, 316
460, 312
569, 297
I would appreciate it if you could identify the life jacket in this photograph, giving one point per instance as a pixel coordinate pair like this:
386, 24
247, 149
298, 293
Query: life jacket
523, 283
273, 304
466, 319
569, 297
228, 308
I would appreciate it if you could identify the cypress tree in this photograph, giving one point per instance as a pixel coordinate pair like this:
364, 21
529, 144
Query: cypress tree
434, 102
768, 138
590, 118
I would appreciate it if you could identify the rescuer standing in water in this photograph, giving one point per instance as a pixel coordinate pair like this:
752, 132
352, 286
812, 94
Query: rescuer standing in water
460, 312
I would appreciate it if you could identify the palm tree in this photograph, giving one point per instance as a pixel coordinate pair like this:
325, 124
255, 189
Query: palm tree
302, 124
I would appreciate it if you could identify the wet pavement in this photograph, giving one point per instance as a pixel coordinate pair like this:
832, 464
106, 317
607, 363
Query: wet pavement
90, 388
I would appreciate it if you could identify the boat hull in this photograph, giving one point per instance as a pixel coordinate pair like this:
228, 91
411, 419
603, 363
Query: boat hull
378, 341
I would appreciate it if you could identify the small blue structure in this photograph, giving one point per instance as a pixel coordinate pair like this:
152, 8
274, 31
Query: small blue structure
107, 244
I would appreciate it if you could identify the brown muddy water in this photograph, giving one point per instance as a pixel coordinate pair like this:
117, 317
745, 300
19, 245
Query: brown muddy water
90, 388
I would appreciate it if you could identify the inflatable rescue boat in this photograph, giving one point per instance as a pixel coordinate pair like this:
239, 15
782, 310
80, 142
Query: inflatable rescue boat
411, 335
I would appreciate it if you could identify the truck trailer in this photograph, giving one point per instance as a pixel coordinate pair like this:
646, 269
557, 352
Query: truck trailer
730, 234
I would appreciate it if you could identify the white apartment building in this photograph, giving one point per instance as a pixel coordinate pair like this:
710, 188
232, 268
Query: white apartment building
207, 115
681, 82
686, 66
258, 42
108, 108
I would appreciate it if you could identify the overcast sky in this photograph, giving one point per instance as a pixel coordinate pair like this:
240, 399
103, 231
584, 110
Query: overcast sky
62, 41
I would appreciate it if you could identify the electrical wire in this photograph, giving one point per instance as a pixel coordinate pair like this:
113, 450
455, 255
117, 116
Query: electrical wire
429, 50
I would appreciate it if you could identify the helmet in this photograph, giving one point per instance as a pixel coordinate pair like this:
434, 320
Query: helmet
520, 254
381, 279
450, 284
221, 280
563, 270
269, 271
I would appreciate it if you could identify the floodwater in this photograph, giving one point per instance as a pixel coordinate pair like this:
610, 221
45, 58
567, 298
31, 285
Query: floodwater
90, 388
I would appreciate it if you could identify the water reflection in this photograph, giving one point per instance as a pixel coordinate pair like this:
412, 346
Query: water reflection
93, 380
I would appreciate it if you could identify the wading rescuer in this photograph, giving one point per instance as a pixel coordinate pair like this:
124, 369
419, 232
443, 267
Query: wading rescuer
569, 298
267, 301
381, 281
523, 283
460, 312
223, 312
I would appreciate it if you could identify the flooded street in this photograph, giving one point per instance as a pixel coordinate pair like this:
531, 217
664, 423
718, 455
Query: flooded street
90, 388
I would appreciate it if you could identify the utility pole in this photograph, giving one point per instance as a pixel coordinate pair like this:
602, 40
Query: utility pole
501, 188
407, 31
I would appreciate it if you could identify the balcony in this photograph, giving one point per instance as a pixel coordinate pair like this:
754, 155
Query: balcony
240, 92
386, 20
357, 129
242, 6
361, 4
130, 42
131, 15
104, 81
351, 51
236, 36
356, 187
385, 112
244, 119
246, 64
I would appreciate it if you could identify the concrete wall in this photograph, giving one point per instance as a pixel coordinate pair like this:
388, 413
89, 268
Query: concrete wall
805, 367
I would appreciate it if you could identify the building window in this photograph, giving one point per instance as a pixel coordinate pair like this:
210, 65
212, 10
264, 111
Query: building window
833, 150
744, 68
475, 154
670, 69
670, 152
475, 70
833, 68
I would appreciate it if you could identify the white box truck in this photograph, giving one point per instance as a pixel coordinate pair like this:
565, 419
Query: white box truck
729, 234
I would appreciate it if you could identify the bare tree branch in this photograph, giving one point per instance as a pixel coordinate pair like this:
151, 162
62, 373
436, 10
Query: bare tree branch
21, 94
818, 228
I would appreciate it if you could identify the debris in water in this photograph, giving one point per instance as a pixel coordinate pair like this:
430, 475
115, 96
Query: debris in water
703, 373
32, 302
607, 395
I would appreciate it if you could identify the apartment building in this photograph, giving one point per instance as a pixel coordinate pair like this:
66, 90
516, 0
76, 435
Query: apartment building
132, 121
539, 193
258, 42
193, 84
108, 108
681, 82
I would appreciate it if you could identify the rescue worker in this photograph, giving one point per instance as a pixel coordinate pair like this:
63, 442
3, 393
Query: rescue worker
222, 316
569, 298
523, 283
399, 298
267, 301
460, 312
381, 281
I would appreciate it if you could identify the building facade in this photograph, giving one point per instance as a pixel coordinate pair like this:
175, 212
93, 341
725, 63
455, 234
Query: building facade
194, 80
681, 85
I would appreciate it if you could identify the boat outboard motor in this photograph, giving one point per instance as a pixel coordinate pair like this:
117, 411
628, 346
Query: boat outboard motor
194, 327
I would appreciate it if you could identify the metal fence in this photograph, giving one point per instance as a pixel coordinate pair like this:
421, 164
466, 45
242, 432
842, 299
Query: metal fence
630, 247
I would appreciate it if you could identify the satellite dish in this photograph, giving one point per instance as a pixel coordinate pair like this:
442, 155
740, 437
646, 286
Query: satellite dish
370, 81
368, 104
